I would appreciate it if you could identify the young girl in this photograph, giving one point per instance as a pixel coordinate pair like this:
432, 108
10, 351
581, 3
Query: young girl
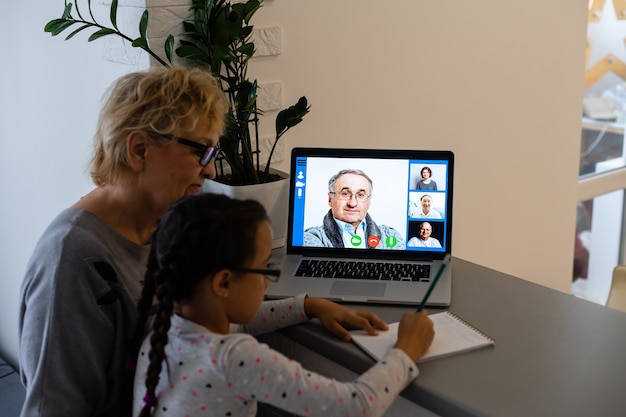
208, 269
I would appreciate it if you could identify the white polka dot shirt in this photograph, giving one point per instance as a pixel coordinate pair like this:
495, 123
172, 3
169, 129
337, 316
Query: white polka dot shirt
225, 375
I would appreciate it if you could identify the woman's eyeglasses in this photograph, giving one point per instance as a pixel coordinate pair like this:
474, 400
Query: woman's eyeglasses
205, 152
272, 273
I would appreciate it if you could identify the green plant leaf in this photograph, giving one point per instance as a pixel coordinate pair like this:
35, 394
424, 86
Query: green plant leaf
246, 10
100, 33
57, 26
143, 25
251, 8
238, 11
80, 29
246, 98
246, 31
189, 28
140, 43
291, 116
192, 52
67, 11
114, 13
285, 120
169, 47
247, 49
200, 23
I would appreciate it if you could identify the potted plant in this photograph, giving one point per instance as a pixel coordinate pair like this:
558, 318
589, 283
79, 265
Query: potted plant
216, 37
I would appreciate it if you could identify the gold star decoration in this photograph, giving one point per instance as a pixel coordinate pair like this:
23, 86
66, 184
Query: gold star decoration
610, 61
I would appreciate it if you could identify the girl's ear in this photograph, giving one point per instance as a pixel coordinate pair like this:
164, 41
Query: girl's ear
137, 149
221, 282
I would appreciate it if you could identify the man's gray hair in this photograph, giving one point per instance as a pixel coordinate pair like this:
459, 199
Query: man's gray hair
333, 179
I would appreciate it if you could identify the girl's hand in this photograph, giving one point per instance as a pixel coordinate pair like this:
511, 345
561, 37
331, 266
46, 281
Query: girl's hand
335, 316
415, 334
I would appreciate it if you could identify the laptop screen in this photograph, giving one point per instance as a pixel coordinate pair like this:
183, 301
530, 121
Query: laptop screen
394, 204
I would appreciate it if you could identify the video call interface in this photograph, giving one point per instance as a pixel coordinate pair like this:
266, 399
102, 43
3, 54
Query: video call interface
401, 198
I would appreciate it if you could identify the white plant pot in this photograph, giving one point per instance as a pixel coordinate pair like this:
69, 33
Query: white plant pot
273, 195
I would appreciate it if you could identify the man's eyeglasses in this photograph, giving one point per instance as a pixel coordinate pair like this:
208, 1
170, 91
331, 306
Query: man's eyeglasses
205, 152
347, 195
272, 273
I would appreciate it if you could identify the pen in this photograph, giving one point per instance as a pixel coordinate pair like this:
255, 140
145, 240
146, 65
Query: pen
442, 267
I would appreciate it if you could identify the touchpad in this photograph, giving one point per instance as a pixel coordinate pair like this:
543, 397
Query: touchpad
362, 289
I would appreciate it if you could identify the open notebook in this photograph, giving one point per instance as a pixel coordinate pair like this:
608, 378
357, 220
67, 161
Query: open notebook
388, 259
453, 336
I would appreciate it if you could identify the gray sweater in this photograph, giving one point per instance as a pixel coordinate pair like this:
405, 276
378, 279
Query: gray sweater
77, 315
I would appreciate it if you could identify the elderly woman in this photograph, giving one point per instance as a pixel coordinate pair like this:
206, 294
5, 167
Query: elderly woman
155, 143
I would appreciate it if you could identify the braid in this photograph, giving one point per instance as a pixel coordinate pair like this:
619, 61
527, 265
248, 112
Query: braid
145, 304
143, 307
158, 339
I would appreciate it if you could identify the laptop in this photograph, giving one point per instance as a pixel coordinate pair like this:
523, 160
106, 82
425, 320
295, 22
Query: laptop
396, 253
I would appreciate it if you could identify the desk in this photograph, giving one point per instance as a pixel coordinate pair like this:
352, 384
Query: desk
555, 354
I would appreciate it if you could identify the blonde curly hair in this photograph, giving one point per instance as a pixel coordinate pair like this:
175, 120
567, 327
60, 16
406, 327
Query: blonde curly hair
161, 100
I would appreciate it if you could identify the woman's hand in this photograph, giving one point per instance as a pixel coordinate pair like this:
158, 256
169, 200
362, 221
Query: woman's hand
334, 317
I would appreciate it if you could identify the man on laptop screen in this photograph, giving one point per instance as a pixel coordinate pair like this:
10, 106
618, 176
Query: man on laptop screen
347, 224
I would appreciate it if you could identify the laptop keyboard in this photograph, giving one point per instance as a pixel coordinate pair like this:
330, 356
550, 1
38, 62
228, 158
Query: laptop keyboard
364, 270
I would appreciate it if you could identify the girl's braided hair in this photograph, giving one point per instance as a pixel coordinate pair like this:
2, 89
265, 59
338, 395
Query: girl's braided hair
199, 235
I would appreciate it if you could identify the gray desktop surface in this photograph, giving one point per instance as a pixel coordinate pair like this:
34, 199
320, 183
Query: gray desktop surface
555, 354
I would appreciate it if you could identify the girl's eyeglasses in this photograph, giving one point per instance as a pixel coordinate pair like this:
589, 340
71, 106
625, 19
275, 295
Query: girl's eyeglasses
205, 152
272, 273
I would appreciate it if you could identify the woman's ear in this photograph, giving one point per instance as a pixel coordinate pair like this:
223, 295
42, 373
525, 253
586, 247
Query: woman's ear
137, 149
221, 282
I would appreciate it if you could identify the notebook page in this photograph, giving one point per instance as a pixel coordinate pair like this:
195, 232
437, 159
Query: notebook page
453, 335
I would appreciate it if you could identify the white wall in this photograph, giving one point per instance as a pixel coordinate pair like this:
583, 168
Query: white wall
51, 92
499, 83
